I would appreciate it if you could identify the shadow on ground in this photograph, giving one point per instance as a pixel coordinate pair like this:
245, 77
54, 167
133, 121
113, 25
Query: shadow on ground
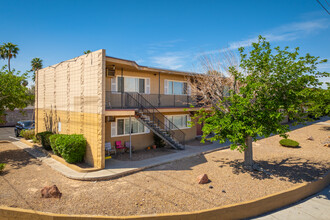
292, 169
16, 159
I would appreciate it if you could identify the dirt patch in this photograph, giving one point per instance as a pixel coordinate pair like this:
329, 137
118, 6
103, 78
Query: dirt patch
172, 187
143, 154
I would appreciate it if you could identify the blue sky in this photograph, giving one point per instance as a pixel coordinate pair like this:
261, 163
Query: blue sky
166, 34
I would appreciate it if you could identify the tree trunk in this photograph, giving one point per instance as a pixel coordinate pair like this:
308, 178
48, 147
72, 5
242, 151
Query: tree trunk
248, 154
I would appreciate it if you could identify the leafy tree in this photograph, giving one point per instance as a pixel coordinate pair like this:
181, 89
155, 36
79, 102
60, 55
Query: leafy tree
8, 51
87, 51
13, 91
319, 103
36, 65
31, 94
268, 85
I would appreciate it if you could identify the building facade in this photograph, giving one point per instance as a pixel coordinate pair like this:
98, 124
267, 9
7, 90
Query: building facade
109, 99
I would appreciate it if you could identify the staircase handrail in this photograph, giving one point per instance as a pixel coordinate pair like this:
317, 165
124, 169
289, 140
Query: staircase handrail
143, 107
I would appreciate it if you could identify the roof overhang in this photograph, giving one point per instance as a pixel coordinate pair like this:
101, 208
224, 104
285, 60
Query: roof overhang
134, 65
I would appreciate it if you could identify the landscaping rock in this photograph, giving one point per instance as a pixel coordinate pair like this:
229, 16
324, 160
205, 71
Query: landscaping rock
211, 187
51, 192
202, 179
310, 138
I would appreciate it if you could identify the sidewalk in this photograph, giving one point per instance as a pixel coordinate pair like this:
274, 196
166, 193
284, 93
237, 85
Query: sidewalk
115, 168
314, 207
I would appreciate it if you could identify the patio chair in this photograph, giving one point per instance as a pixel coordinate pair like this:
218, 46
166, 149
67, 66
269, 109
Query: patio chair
109, 148
119, 146
127, 145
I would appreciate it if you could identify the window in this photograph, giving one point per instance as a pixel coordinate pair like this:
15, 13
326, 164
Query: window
181, 121
131, 84
123, 127
176, 88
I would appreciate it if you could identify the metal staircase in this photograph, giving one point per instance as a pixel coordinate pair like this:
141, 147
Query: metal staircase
157, 122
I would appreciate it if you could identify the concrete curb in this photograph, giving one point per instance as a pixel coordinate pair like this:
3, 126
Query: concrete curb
235, 211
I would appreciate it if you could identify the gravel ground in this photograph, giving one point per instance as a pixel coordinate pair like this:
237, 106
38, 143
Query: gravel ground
172, 187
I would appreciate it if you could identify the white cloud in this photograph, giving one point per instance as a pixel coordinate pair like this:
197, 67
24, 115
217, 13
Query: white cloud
160, 57
173, 60
287, 32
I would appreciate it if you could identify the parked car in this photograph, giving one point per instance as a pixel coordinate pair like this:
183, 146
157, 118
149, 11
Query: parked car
23, 125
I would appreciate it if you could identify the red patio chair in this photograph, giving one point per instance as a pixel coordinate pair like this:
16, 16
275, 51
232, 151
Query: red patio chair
119, 146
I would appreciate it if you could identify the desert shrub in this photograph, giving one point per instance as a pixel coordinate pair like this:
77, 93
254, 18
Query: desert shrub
35, 140
43, 137
52, 140
158, 141
71, 147
2, 166
289, 143
27, 134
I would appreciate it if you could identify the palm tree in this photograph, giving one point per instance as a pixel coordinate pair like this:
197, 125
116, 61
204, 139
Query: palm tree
36, 64
87, 51
8, 51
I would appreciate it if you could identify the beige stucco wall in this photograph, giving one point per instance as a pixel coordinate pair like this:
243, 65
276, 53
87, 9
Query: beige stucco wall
72, 93
142, 141
154, 78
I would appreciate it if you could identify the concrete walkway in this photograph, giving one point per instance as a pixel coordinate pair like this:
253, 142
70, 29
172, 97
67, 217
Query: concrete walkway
314, 207
115, 168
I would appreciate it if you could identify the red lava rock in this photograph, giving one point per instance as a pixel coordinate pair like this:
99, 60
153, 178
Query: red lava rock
51, 192
202, 179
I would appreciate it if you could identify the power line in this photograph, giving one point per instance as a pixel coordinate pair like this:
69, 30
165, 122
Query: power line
323, 7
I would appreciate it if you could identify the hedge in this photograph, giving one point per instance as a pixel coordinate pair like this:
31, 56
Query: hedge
52, 140
43, 137
71, 147
27, 134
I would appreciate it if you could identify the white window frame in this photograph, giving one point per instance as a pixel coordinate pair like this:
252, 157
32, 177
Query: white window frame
166, 86
146, 130
188, 120
146, 83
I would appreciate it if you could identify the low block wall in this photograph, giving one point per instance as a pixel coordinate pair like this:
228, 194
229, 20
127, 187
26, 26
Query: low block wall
12, 117
235, 211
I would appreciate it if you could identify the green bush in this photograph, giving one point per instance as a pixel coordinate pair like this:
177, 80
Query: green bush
35, 140
71, 147
43, 137
2, 166
27, 134
52, 140
289, 143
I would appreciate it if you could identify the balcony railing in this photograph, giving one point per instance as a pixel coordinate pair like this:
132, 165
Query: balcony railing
117, 100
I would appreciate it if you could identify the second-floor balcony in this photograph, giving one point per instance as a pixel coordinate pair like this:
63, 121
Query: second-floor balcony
118, 100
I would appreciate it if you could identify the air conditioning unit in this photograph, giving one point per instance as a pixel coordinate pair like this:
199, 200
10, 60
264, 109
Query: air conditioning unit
110, 71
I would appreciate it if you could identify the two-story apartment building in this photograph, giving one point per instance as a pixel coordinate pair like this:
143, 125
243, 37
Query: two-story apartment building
109, 99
